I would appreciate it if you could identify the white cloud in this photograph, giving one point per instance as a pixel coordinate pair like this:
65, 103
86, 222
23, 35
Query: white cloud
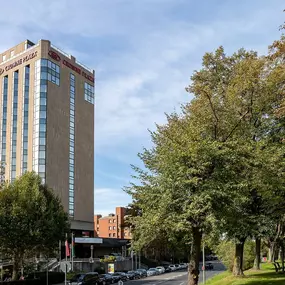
107, 199
138, 82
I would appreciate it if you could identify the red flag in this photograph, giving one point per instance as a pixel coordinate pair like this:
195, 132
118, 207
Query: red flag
67, 253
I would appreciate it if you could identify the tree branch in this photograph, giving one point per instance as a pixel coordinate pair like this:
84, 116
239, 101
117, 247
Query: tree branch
237, 124
214, 113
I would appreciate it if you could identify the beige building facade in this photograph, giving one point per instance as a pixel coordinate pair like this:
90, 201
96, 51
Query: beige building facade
47, 124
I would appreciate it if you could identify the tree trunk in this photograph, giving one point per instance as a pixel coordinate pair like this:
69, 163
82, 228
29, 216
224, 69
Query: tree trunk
282, 256
272, 251
16, 267
193, 269
257, 253
238, 262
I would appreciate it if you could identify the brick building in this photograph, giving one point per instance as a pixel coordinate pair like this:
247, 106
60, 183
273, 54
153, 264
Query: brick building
112, 226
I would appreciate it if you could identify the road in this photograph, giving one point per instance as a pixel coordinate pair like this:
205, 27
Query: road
177, 277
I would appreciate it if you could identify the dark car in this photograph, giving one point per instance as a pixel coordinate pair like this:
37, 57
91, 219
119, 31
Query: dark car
142, 272
115, 278
137, 274
131, 275
209, 266
107, 278
121, 275
167, 269
91, 278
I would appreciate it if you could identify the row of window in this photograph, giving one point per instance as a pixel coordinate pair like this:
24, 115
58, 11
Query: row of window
4, 118
71, 143
25, 126
14, 119
110, 228
89, 93
40, 114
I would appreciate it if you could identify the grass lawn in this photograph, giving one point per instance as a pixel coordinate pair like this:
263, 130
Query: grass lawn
266, 276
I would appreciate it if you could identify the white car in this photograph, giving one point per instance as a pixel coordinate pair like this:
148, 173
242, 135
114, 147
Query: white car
183, 265
152, 272
160, 269
172, 267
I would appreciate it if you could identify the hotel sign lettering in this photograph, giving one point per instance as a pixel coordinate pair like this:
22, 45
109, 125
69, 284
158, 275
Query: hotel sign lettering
18, 62
56, 57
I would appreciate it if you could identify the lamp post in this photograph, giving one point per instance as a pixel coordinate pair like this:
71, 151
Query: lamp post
204, 279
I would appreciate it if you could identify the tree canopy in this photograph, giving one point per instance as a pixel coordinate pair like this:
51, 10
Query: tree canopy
219, 159
32, 219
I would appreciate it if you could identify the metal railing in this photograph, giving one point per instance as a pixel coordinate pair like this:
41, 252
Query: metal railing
60, 50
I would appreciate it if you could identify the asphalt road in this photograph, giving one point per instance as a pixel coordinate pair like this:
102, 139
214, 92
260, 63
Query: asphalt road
177, 277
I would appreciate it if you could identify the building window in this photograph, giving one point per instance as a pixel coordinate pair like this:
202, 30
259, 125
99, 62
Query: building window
40, 115
4, 57
110, 235
114, 221
110, 228
114, 235
14, 122
114, 228
12, 53
25, 120
71, 140
89, 93
4, 119
110, 221
51, 71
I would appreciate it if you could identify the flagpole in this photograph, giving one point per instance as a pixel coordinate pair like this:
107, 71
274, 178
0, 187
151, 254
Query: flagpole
66, 246
72, 250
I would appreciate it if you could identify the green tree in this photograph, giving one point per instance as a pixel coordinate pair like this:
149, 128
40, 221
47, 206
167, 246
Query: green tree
32, 219
202, 169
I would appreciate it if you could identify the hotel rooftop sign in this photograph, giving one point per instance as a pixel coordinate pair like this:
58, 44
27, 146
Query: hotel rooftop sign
56, 57
18, 62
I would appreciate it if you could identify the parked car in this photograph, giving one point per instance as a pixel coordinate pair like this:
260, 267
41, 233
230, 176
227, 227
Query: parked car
134, 274
115, 278
160, 269
172, 267
91, 278
142, 272
107, 278
177, 266
152, 272
122, 276
209, 266
167, 269
183, 265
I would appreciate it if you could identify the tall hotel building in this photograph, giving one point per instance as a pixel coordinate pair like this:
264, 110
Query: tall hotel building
47, 124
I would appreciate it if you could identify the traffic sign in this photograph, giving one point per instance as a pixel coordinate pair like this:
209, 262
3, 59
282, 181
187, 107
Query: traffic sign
65, 266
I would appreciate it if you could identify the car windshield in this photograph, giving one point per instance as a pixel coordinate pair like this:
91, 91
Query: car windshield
152, 269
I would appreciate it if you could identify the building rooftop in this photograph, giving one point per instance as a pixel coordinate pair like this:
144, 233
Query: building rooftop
30, 45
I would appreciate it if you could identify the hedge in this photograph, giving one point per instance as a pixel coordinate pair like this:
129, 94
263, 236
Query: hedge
53, 277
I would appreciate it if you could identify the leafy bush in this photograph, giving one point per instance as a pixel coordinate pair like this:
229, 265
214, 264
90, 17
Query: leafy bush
23, 282
226, 253
53, 277
100, 270
110, 258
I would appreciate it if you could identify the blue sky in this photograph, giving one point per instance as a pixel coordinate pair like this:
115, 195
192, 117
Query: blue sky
144, 52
